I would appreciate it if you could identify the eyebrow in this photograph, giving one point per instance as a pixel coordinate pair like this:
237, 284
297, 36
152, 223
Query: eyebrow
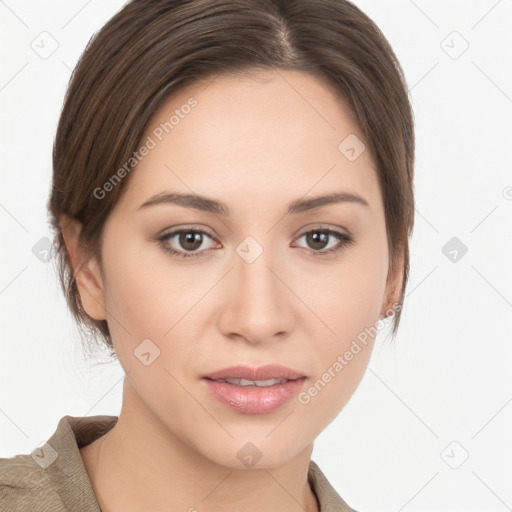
206, 204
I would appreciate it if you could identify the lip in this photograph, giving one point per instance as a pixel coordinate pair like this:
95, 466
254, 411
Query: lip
269, 371
255, 399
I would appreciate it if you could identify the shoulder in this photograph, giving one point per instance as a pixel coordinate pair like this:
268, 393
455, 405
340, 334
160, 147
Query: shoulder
53, 477
24, 485
328, 498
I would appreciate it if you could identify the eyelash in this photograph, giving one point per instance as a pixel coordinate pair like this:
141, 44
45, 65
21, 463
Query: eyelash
344, 241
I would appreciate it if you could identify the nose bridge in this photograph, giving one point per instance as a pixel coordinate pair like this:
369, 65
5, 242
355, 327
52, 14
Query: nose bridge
252, 270
257, 307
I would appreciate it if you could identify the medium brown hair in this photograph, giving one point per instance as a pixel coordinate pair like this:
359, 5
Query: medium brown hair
152, 48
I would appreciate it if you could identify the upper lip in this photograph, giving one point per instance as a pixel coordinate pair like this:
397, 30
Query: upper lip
269, 371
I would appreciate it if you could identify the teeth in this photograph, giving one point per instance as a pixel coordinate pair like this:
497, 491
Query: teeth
261, 383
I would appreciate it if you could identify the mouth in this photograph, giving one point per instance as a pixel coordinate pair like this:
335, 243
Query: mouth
255, 390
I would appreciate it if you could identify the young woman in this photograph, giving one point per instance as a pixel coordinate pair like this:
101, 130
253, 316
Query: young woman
232, 201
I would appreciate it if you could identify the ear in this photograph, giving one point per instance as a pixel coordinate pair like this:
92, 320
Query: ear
86, 269
393, 285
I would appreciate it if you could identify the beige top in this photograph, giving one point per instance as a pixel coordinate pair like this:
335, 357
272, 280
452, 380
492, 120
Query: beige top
53, 477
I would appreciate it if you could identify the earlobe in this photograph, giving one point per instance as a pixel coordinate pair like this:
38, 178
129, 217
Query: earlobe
393, 288
85, 269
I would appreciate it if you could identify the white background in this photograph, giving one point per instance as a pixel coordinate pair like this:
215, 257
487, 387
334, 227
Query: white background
446, 378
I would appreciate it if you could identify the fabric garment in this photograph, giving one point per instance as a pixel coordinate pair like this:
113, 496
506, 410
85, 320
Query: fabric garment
53, 478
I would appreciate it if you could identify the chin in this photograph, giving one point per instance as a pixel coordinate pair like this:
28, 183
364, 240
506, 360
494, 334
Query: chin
242, 453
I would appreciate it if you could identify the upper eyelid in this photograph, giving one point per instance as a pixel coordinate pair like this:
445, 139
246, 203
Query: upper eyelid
309, 227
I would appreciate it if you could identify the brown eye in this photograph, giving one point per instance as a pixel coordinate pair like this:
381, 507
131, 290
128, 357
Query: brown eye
326, 241
185, 242
317, 239
190, 240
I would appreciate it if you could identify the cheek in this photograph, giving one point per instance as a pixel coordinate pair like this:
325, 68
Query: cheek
134, 299
150, 297
350, 308
145, 292
347, 297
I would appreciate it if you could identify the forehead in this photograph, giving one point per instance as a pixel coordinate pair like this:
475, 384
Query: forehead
266, 133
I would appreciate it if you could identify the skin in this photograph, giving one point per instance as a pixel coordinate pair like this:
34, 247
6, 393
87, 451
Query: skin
255, 143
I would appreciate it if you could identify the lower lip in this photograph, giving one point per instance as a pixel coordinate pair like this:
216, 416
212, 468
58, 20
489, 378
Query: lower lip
255, 399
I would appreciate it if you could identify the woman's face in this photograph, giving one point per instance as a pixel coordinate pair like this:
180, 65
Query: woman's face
269, 278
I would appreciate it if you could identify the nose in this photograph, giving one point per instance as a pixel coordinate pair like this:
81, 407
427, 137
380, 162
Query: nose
256, 303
